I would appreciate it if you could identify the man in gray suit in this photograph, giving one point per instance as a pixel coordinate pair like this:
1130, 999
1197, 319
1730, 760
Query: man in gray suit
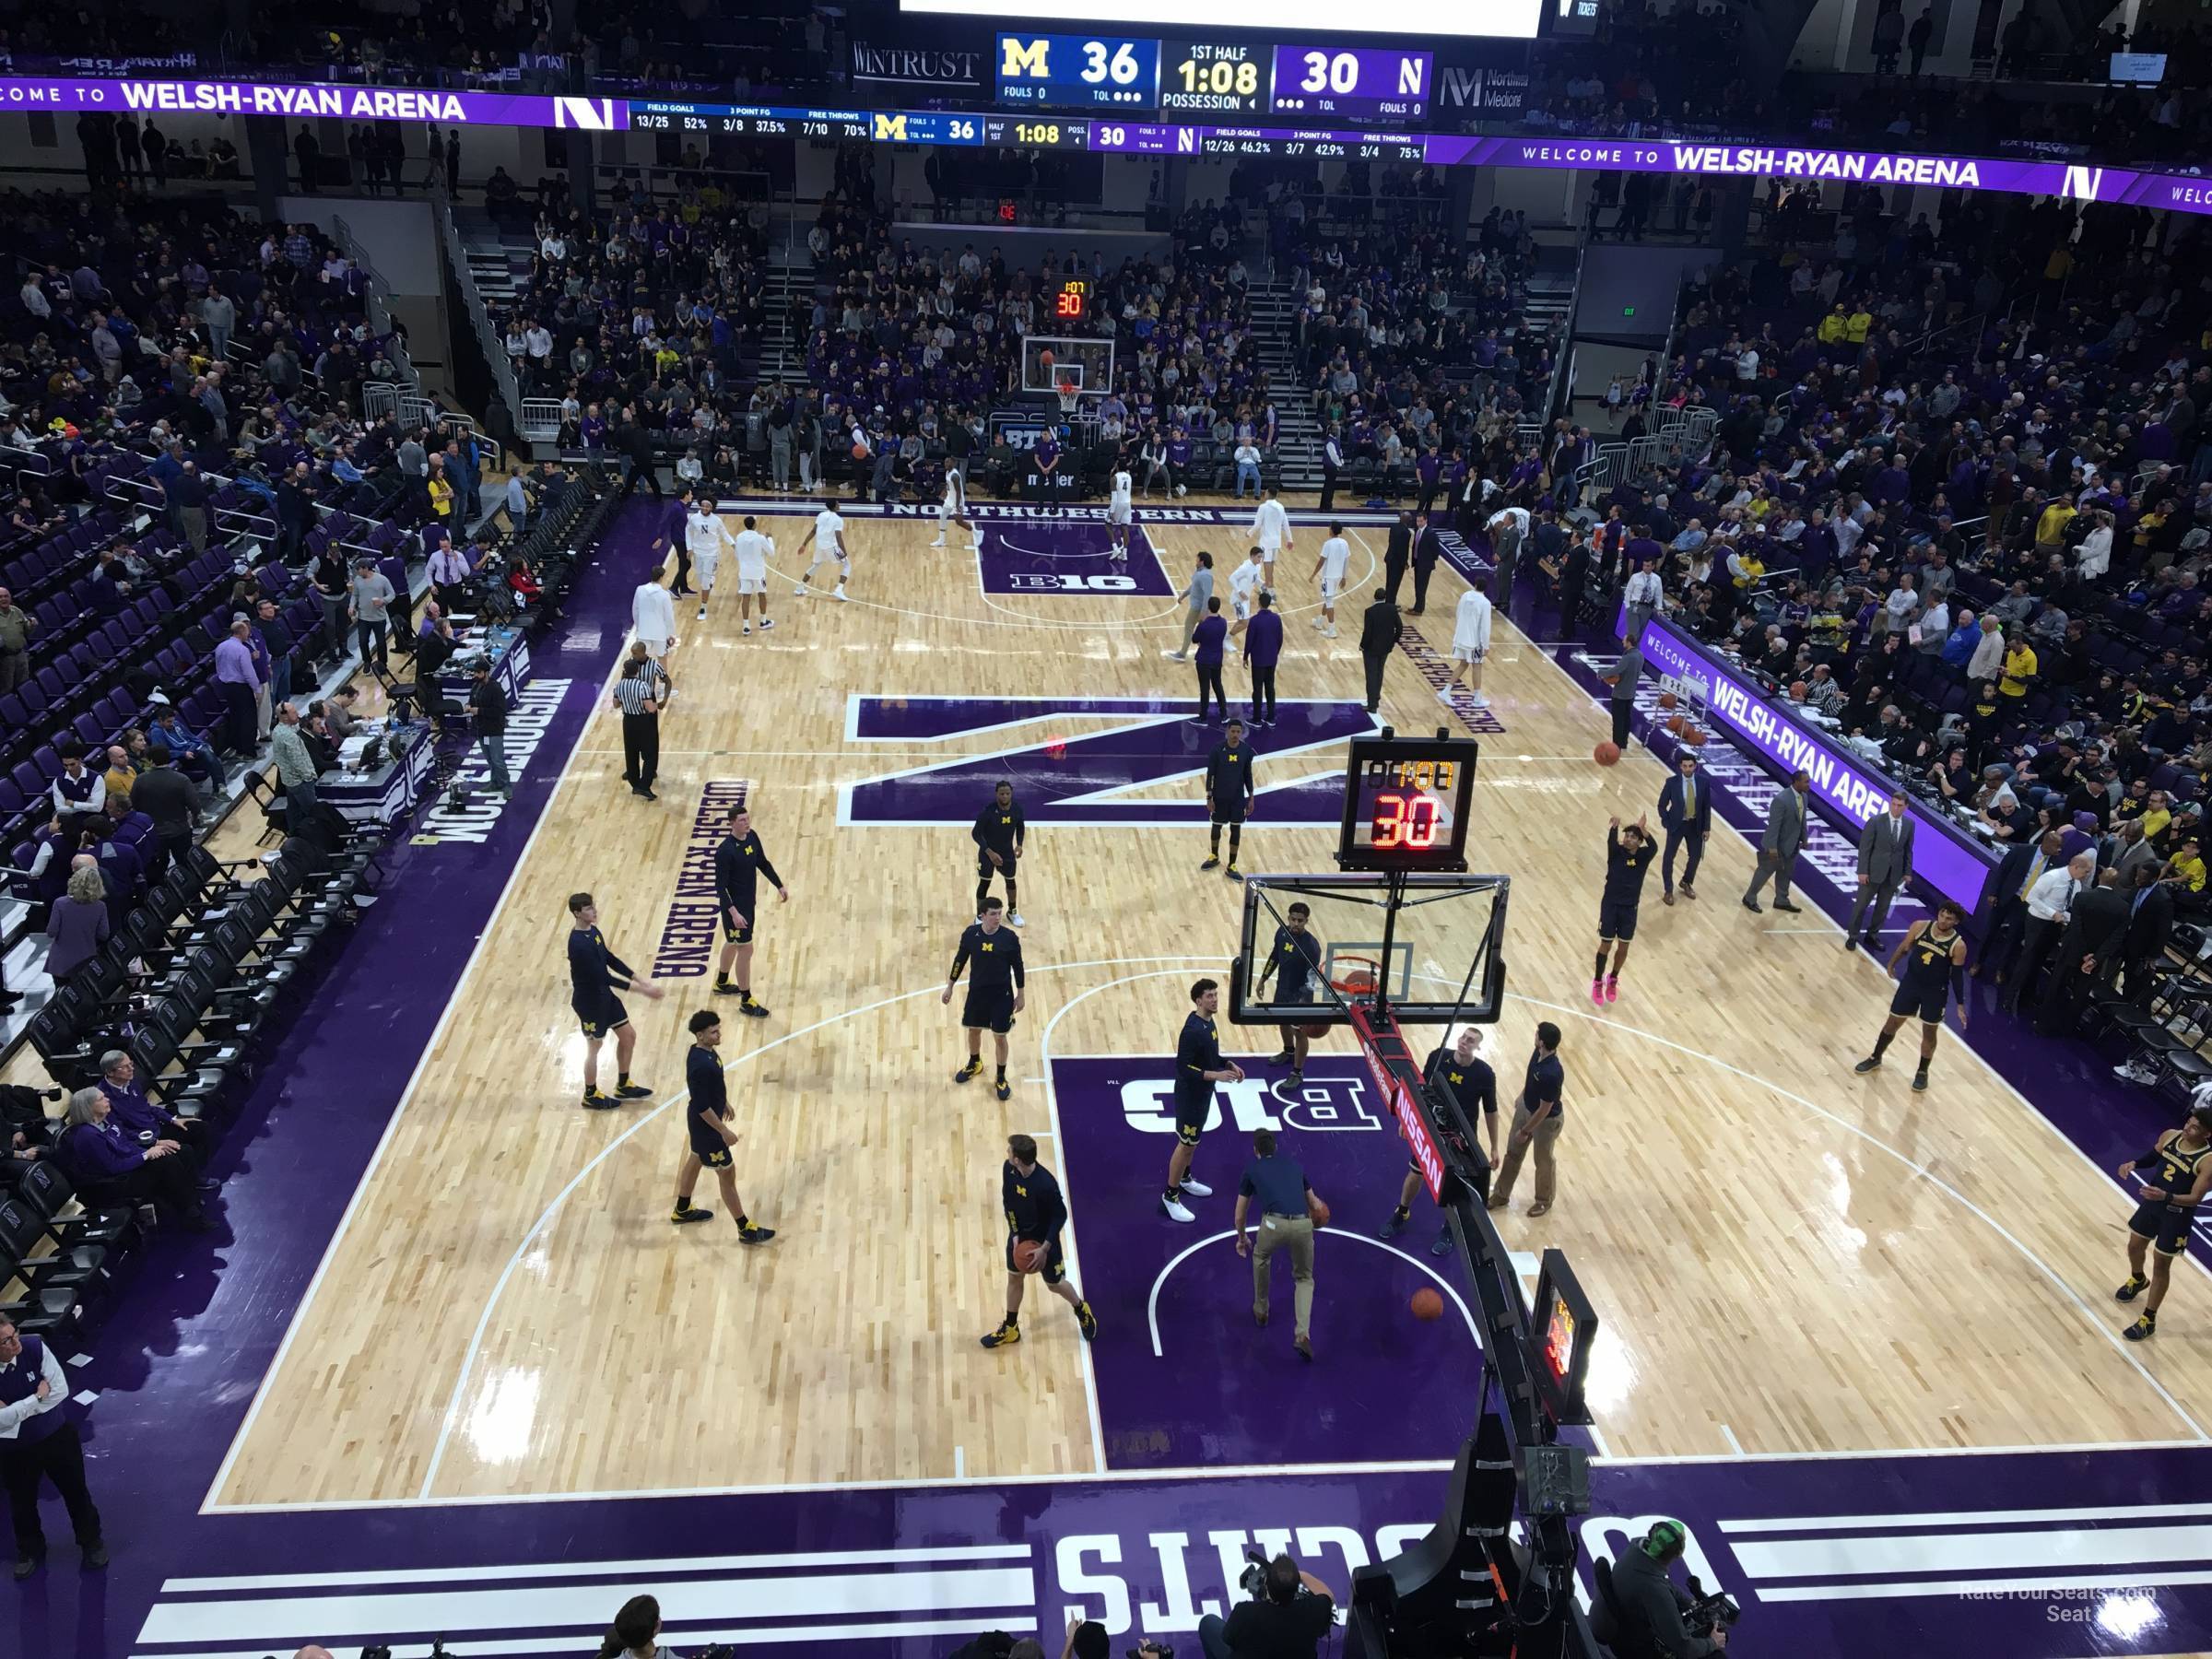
1778, 847
1885, 860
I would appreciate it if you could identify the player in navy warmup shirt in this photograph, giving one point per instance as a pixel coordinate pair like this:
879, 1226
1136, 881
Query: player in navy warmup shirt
1474, 1086
1206, 641
1035, 1214
999, 835
1229, 790
1263, 647
995, 990
596, 973
1294, 961
707, 1119
1628, 853
739, 863
1198, 1066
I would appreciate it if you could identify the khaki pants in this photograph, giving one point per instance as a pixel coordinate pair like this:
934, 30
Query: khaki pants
1294, 1233
1509, 1168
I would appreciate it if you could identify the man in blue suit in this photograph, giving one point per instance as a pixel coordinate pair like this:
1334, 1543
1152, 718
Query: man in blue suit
1686, 812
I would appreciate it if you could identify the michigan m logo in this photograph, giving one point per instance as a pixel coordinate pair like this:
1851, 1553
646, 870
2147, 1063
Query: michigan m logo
890, 129
1020, 60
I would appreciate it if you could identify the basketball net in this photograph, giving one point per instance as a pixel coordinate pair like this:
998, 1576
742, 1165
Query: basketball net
1071, 397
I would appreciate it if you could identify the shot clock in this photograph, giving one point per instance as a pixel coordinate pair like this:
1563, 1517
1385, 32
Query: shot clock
1071, 303
1405, 804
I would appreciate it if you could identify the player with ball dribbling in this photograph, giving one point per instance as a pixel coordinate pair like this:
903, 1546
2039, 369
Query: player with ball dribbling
1035, 1214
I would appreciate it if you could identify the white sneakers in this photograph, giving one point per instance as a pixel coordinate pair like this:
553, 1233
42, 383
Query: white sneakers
1174, 1211
767, 621
799, 591
1014, 919
1196, 1189
703, 612
1319, 623
838, 593
1329, 632
1480, 699
938, 543
1444, 696
747, 628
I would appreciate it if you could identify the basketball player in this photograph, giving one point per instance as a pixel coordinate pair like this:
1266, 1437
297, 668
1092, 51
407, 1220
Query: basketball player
705, 535
1470, 644
2168, 1210
828, 540
1271, 529
596, 973
1035, 1214
1245, 584
1935, 973
1198, 1066
1295, 961
739, 863
1119, 512
707, 1117
1473, 1084
1229, 792
953, 508
1335, 553
1000, 834
1628, 853
996, 990
754, 550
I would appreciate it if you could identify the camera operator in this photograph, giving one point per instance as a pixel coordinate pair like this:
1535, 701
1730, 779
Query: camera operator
1291, 1612
1640, 1616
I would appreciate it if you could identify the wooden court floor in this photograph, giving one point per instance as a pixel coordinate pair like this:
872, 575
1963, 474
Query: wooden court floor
1819, 1261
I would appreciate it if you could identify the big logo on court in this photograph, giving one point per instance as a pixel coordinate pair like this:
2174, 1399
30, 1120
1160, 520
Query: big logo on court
1067, 558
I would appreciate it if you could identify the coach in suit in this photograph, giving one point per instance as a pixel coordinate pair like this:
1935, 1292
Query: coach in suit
1427, 549
1398, 554
1885, 860
1685, 813
2149, 924
1380, 630
2022, 867
1778, 848
2088, 954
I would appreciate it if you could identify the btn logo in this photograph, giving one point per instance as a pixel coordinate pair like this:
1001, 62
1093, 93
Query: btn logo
1318, 1106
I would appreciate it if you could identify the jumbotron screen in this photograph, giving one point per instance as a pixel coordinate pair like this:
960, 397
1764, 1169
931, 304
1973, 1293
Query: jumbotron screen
1514, 19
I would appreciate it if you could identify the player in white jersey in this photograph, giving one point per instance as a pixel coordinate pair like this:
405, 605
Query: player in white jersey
1271, 529
1119, 513
1245, 584
828, 540
953, 508
1335, 553
754, 551
705, 538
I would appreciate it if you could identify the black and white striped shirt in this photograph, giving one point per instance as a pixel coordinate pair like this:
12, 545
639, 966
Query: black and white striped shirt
633, 691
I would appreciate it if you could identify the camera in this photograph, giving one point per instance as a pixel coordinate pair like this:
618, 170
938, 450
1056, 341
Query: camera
1150, 1650
1708, 1613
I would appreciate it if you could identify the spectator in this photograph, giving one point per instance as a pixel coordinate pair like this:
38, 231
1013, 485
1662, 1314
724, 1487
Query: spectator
296, 769
78, 925
115, 1169
240, 682
15, 629
369, 605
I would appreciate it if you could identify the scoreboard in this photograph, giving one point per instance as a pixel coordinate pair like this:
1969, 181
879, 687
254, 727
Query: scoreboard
1132, 76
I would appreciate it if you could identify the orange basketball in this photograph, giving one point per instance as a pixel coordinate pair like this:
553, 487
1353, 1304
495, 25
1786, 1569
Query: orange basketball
1045, 358
1313, 1033
1675, 724
860, 452
1428, 1304
1796, 690
1028, 1257
1319, 1211
1667, 700
1695, 736
1605, 754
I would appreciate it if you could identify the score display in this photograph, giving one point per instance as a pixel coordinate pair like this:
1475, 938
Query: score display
1405, 804
1214, 77
1078, 72
1359, 84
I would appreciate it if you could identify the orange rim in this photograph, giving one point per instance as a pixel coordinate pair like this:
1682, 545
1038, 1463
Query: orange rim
1355, 976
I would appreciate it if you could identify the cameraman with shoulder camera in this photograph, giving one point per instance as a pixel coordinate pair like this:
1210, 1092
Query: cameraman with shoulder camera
1289, 1614
1639, 1612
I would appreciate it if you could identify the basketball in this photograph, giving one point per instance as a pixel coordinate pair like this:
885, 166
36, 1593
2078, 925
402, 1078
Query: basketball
1606, 753
1667, 700
1796, 690
1695, 736
1428, 1304
1319, 1211
860, 452
1045, 358
1028, 1257
1675, 724
1313, 1033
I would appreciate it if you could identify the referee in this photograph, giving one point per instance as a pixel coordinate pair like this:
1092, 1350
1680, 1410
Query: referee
739, 863
1035, 1214
1285, 1200
707, 1117
1198, 1066
640, 693
995, 990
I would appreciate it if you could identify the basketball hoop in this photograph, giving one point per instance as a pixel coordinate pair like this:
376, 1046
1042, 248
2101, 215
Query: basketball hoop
1352, 976
1071, 397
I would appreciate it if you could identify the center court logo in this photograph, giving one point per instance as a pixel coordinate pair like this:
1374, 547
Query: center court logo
1318, 1106
1061, 558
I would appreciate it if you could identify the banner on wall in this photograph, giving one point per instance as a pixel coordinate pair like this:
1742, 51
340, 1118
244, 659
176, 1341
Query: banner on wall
344, 103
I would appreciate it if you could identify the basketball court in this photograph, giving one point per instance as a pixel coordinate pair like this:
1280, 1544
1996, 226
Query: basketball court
1809, 1282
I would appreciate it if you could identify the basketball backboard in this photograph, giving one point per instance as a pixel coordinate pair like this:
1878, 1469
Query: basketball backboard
1047, 358
1424, 942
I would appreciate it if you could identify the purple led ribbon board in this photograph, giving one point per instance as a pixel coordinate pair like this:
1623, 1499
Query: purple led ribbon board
340, 102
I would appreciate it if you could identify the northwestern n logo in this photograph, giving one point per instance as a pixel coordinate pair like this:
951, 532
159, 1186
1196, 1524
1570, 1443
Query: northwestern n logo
2082, 183
1127, 744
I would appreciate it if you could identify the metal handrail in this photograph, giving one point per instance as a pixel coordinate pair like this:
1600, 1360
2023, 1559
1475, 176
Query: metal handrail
472, 300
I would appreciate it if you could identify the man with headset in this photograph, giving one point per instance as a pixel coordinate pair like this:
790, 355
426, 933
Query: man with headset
1289, 1622
1641, 1615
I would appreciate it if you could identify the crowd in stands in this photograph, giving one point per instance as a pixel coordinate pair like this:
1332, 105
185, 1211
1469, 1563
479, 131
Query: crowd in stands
1984, 547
